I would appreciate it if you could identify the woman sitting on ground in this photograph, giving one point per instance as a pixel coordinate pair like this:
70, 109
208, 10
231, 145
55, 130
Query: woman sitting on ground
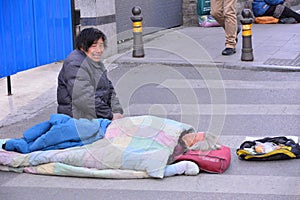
275, 8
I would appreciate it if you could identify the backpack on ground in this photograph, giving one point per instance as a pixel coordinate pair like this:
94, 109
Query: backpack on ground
269, 148
213, 161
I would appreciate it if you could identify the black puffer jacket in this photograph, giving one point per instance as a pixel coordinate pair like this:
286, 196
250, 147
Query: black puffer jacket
84, 90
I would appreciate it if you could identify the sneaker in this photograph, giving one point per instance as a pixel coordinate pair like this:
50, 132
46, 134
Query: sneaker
186, 167
192, 169
228, 51
287, 20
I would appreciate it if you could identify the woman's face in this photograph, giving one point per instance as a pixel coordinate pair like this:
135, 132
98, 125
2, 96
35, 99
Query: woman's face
96, 50
192, 138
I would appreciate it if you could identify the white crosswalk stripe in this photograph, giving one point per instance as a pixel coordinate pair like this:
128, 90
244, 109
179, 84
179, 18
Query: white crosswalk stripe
231, 84
216, 109
201, 183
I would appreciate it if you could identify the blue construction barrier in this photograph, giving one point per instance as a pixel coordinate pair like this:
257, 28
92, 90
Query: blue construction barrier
34, 33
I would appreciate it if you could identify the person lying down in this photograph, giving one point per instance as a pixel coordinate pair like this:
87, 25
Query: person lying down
143, 143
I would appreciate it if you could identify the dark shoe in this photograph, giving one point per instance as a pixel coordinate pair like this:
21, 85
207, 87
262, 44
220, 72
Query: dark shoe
287, 20
228, 51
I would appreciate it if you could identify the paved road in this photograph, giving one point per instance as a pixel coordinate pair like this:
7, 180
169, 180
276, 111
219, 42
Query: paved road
230, 103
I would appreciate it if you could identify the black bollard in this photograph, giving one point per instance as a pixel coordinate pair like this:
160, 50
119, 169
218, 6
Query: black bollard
247, 51
138, 47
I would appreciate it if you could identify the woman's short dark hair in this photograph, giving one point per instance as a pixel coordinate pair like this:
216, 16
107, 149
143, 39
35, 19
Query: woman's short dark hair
89, 36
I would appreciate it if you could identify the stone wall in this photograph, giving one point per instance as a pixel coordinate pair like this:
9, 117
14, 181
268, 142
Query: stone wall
189, 12
189, 9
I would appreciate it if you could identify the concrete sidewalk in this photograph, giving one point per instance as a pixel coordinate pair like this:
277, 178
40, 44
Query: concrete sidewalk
276, 47
32, 90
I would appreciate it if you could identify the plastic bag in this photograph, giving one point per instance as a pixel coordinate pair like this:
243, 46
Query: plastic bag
207, 21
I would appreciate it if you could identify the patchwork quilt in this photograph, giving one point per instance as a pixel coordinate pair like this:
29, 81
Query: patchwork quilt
133, 147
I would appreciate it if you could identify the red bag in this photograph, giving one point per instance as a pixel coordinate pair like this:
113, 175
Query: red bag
214, 161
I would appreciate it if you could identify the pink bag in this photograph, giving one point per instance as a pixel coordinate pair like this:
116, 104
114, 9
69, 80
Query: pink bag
207, 21
214, 161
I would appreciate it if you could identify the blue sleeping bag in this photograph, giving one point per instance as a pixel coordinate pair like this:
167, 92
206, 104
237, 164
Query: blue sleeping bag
60, 132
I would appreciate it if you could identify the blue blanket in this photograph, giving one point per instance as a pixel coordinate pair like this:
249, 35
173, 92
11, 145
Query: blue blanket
60, 132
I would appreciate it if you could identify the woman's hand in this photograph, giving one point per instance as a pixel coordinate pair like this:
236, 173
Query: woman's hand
117, 116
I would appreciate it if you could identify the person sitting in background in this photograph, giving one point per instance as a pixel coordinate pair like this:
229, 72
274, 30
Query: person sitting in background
274, 8
84, 90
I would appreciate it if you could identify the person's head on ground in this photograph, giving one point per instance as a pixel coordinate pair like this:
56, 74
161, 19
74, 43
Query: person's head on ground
92, 42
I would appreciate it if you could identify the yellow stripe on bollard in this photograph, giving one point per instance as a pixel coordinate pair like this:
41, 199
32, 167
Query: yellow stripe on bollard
137, 30
135, 24
247, 29
247, 33
137, 27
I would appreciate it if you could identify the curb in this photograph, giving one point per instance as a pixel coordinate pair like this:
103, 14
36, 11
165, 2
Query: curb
234, 66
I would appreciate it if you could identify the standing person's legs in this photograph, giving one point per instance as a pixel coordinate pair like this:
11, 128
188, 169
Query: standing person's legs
224, 12
230, 23
217, 11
